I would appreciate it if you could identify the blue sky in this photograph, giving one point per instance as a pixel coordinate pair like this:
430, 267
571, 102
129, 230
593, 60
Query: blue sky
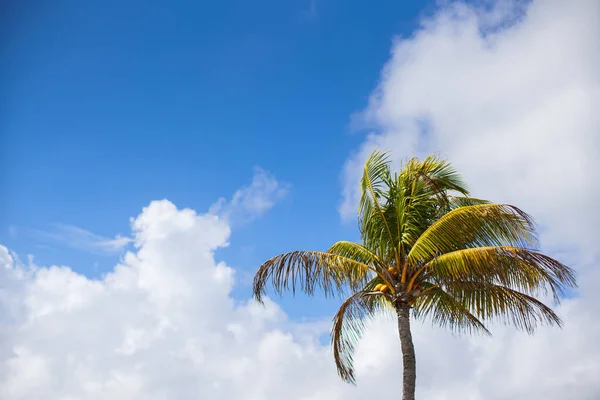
245, 109
111, 105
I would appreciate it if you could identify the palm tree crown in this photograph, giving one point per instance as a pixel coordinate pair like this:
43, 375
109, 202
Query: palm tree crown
430, 249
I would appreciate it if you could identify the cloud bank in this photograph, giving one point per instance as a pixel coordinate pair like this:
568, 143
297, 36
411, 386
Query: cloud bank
162, 324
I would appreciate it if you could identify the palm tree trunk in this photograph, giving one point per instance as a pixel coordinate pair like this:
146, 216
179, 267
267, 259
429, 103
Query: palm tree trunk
409, 373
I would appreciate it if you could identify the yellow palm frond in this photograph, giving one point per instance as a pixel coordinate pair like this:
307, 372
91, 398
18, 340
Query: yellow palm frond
521, 269
475, 226
363, 255
356, 252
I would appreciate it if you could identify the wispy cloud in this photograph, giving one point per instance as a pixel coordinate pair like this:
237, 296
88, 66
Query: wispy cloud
311, 12
250, 202
82, 239
246, 204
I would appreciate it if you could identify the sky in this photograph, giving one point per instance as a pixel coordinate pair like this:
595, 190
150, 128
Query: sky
153, 156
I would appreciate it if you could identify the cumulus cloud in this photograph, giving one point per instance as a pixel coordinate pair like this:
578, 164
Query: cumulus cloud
162, 324
250, 202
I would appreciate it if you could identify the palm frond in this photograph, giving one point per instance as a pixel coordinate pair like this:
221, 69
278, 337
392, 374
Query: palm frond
499, 303
310, 270
376, 175
445, 311
464, 201
363, 255
475, 226
349, 324
356, 252
374, 222
521, 269
422, 194
438, 174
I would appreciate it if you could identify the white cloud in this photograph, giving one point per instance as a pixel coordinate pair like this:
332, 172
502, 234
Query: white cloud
250, 202
162, 324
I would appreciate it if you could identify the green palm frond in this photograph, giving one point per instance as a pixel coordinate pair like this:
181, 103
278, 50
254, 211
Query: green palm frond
464, 201
499, 303
360, 253
437, 174
475, 226
521, 269
446, 311
363, 255
421, 195
395, 211
349, 324
311, 270
376, 225
356, 252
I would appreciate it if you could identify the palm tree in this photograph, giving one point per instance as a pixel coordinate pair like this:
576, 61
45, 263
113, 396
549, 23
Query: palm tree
427, 249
